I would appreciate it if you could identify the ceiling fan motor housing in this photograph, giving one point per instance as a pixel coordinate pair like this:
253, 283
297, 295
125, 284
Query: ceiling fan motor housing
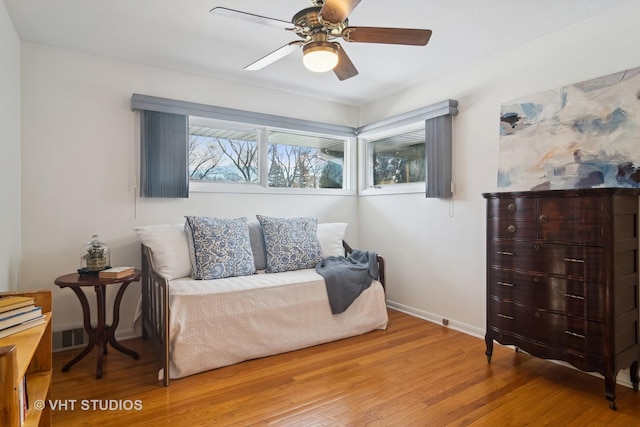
308, 23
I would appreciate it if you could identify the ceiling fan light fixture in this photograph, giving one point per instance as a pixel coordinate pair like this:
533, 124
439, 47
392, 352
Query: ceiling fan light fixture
320, 56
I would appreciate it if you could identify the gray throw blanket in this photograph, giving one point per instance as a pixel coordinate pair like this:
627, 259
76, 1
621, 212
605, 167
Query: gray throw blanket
347, 277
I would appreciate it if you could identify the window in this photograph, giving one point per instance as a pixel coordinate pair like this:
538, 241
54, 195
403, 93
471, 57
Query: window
394, 161
305, 161
222, 154
398, 159
228, 150
228, 153
409, 153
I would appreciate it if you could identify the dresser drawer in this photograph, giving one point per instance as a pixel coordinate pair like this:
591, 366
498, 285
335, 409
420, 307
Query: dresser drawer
556, 330
571, 219
573, 297
582, 262
511, 207
512, 228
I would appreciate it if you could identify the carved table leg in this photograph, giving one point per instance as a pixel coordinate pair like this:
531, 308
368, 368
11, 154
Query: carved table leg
111, 330
633, 372
86, 314
102, 347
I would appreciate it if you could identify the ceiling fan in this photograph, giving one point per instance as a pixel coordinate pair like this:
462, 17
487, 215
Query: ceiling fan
319, 26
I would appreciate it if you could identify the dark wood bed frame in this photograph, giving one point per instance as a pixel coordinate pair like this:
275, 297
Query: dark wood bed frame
155, 305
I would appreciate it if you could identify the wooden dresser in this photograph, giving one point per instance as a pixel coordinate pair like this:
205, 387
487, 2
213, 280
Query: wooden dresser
562, 278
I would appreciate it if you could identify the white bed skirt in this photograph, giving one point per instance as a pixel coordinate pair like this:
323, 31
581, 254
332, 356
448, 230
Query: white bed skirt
225, 321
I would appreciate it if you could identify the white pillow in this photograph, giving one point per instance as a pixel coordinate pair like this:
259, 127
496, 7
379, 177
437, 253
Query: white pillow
331, 236
169, 247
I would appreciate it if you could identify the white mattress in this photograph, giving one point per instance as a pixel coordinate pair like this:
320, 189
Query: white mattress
225, 321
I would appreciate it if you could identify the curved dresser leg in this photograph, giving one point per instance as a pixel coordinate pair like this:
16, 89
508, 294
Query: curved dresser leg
610, 390
489, 342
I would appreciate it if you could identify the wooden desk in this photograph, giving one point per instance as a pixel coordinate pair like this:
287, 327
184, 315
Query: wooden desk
102, 333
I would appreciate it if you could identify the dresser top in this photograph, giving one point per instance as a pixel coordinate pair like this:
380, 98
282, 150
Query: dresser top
569, 193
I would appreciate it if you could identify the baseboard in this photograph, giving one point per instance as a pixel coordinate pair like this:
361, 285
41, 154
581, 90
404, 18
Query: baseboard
623, 377
440, 320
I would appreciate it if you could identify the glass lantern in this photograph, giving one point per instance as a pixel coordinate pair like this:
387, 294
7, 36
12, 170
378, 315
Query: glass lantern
96, 256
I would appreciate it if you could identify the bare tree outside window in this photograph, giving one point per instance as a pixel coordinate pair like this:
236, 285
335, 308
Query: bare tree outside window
293, 166
242, 154
293, 160
303, 161
204, 156
222, 155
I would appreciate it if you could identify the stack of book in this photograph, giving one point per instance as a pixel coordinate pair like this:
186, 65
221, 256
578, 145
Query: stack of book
17, 314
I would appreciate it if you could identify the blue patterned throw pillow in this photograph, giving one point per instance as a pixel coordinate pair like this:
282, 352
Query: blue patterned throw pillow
291, 243
219, 247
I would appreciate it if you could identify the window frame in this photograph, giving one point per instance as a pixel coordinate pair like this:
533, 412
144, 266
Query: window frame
355, 167
262, 186
365, 159
400, 124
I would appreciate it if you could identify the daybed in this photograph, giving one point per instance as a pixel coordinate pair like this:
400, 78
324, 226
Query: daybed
199, 325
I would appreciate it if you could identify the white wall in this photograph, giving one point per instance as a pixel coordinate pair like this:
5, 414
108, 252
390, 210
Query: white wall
79, 159
435, 249
9, 153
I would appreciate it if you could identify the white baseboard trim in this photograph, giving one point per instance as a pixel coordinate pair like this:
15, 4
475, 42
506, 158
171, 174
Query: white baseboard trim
440, 320
623, 377
126, 334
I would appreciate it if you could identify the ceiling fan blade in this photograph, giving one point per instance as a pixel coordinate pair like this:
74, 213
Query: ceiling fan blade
406, 36
336, 11
345, 68
274, 56
231, 13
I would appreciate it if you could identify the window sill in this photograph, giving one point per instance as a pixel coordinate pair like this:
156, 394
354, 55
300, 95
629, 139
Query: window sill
204, 187
417, 188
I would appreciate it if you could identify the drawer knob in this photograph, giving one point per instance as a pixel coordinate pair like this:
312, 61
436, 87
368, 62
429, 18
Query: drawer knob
511, 228
511, 207
536, 280
537, 314
543, 218
536, 247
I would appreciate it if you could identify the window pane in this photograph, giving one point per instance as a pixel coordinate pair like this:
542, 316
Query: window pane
222, 155
399, 159
304, 161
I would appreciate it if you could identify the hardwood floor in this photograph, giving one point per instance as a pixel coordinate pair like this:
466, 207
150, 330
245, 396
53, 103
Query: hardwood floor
414, 373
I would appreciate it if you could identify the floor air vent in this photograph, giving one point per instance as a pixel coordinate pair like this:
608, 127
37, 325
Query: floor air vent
70, 338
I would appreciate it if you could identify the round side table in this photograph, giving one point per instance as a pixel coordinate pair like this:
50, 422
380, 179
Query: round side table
102, 334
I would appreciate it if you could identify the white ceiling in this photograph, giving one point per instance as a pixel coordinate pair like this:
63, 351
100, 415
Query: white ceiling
182, 35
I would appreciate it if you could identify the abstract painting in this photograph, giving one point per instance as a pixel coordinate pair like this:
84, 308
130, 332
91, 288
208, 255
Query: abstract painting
583, 135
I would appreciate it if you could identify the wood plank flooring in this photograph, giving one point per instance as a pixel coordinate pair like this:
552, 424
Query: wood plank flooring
415, 373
